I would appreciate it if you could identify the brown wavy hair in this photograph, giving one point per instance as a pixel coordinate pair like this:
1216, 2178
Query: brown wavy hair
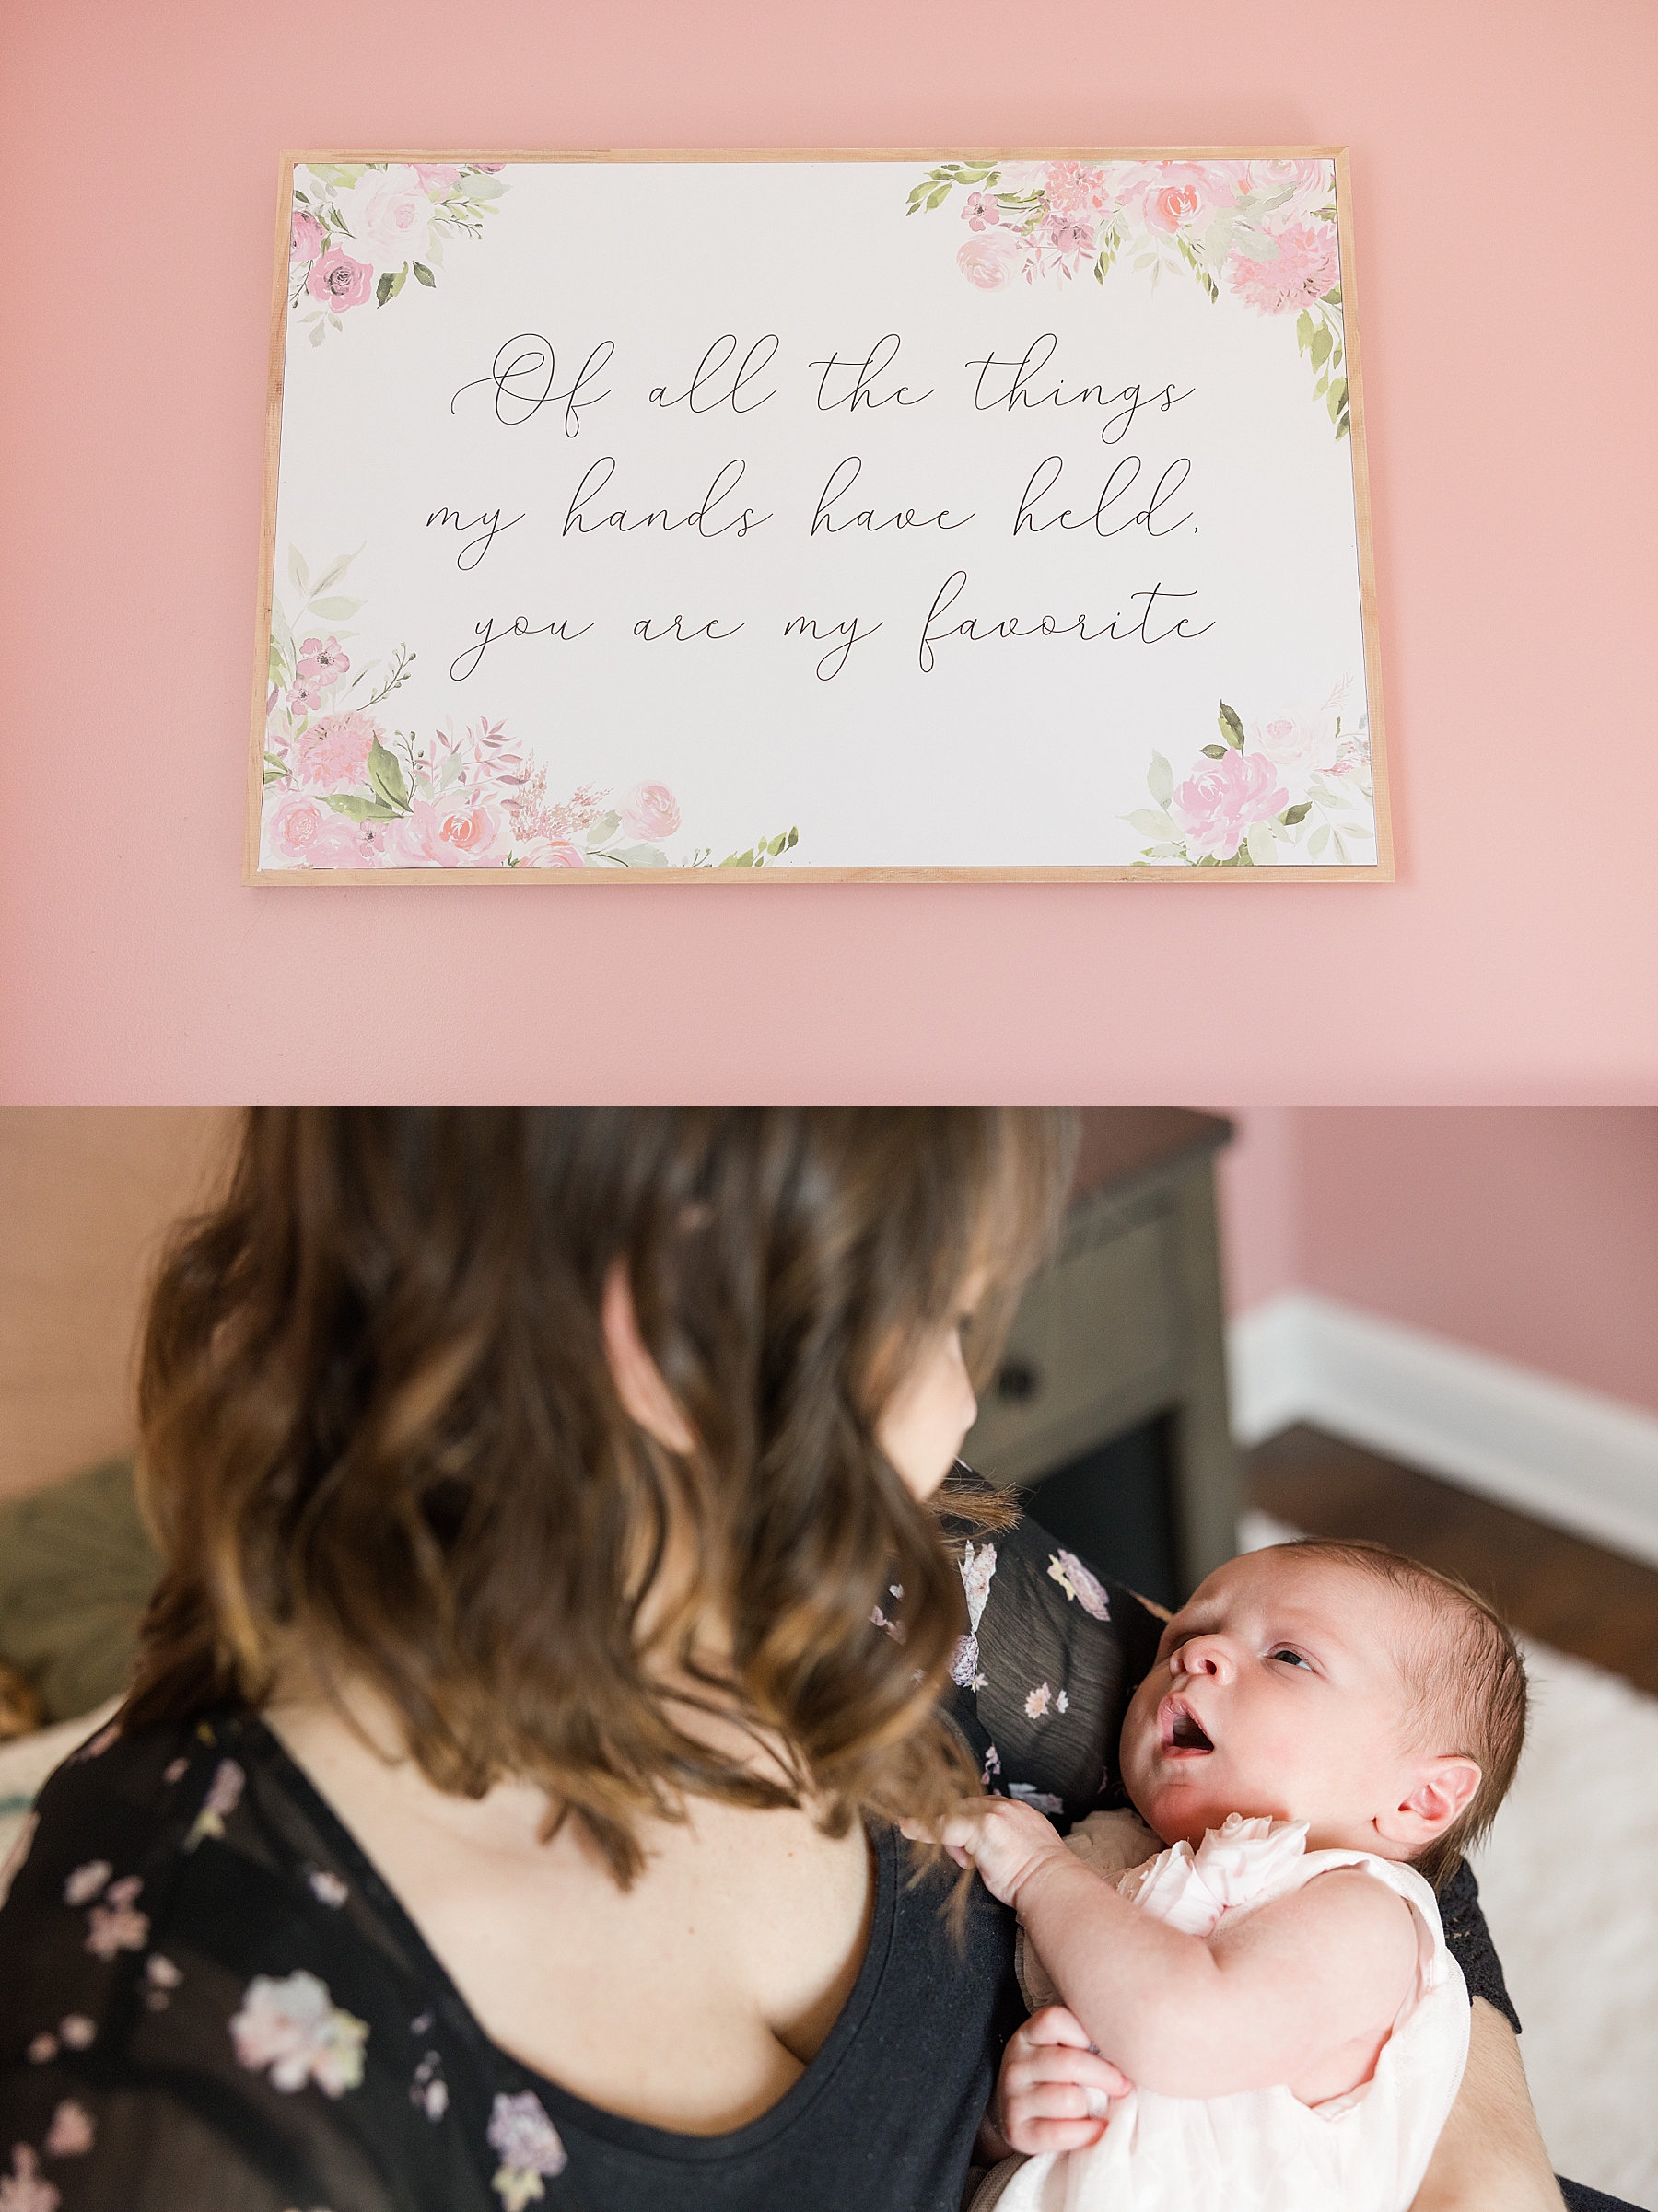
380, 1429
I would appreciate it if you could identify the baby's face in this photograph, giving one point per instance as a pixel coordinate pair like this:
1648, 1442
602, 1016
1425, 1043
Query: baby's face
1275, 1692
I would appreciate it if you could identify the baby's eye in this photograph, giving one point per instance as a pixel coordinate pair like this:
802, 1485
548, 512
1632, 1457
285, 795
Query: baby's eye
1290, 1657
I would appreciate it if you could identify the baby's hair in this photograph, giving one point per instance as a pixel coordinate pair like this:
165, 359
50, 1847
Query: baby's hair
1469, 1682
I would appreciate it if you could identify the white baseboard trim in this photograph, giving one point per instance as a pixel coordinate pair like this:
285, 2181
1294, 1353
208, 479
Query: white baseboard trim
1548, 1448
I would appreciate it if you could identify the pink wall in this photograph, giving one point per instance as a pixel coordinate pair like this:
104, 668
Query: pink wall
1504, 332
1532, 1233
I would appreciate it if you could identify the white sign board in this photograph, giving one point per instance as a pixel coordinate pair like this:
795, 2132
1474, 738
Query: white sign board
664, 520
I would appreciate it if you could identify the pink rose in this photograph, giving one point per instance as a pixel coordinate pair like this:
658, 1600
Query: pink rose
1216, 805
303, 828
1308, 265
322, 663
332, 754
1309, 184
339, 282
989, 259
651, 812
387, 214
550, 852
981, 211
456, 832
305, 241
1299, 738
1172, 194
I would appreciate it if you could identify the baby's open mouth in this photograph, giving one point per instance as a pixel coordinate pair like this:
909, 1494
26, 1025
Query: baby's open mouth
1181, 1729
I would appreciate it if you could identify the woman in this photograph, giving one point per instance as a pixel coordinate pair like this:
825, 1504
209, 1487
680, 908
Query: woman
553, 1626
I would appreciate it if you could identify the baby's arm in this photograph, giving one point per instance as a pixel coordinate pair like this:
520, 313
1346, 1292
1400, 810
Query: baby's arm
1307, 1985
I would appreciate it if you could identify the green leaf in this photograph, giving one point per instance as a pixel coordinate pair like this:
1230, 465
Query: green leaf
338, 173
335, 610
1212, 752
1292, 815
1151, 821
275, 772
936, 198
740, 859
452, 769
794, 839
1342, 428
1303, 331
424, 274
386, 777
360, 809
606, 826
400, 279
1337, 399
1322, 343
382, 291
1160, 780
298, 573
1231, 728
776, 845
641, 856
332, 574
317, 334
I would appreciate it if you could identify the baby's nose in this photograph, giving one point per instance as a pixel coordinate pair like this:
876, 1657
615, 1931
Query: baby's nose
1203, 1655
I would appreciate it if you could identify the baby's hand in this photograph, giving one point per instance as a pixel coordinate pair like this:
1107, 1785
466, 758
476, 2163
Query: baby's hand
1055, 2087
1004, 1839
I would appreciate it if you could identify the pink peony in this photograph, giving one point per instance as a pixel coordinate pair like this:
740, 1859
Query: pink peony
1216, 805
303, 828
1075, 188
339, 282
321, 661
305, 239
1308, 265
989, 259
387, 214
456, 832
651, 812
332, 754
981, 211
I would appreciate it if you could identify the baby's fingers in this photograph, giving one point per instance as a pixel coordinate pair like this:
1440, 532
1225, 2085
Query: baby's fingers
1055, 2135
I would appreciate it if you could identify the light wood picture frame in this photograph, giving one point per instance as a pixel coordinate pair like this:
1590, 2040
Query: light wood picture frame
806, 412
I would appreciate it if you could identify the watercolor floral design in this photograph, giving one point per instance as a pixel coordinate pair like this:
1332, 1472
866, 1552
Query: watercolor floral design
1264, 230
360, 229
1293, 787
294, 2029
343, 790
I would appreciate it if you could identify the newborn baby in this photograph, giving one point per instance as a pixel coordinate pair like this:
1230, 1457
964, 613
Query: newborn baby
1326, 1727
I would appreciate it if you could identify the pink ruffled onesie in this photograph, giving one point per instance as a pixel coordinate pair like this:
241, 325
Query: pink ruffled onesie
1261, 2150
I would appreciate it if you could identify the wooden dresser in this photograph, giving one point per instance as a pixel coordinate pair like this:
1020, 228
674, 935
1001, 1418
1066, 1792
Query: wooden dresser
1110, 1408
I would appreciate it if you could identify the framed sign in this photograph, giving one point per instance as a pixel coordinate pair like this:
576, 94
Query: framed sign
670, 519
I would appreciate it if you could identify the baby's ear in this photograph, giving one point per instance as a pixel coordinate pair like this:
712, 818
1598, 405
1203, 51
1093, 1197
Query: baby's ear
1444, 1788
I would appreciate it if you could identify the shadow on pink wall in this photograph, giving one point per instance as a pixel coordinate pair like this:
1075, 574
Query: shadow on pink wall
1530, 1232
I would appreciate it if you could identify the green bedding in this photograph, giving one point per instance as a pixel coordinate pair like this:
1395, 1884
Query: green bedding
76, 1573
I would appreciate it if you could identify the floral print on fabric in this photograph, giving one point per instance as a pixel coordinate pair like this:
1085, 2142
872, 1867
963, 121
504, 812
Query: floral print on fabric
1081, 1584
529, 2148
22, 2190
1264, 230
224, 1794
293, 2029
978, 1566
360, 229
